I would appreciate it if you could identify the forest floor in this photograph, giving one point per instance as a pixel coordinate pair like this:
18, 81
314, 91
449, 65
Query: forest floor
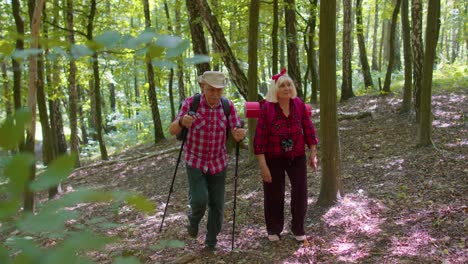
402, 203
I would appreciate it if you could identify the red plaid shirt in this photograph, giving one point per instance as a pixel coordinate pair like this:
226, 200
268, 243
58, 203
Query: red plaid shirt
268, 137
205, 148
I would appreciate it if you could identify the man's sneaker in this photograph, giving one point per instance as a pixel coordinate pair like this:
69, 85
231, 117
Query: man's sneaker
300, 238
273, 237
193, 232
209, 248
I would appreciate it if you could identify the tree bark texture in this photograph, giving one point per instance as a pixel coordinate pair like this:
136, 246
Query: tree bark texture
391, 58
73, 95
198, 34
375, 63
254, 12
407, 90
368, 83
312, 54
274, 38
33, 82
347, 81
158, 131
17, 69
331, 188
432, 34
418, 53
291, 44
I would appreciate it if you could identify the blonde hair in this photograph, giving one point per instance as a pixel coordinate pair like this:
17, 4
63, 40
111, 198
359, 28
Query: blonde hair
272, 94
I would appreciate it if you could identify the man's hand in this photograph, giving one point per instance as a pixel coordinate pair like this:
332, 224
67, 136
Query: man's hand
238, 134
186, 120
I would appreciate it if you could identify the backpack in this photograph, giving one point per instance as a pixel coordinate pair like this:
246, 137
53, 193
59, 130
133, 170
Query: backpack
194, 107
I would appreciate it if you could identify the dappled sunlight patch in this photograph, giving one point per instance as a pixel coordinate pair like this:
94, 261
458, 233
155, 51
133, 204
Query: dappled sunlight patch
349, 250
410, 245
356, 214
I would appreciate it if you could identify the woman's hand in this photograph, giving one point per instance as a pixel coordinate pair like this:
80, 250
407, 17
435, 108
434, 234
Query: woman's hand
265, 171
313, 159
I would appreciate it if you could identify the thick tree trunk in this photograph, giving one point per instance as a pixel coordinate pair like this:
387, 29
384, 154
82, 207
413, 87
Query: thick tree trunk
73, 95
158, 131
362, 47
17, 69
407, 90
198, 34
432, 34
331, 187
33, 82
391, 58
347, 81
418, 53
254, 12
291, 44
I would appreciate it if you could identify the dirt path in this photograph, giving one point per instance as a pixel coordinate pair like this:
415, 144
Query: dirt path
403, 203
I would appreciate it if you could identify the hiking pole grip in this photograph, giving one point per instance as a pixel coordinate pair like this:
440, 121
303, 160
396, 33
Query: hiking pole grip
235, 189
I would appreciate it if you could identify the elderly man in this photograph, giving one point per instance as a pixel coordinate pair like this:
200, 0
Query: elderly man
205, 152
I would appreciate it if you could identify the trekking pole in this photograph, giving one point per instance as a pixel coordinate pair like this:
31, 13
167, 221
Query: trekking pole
184, 137
235, 191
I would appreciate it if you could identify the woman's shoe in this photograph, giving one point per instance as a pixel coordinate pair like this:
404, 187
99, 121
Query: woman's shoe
300, 238
273, 237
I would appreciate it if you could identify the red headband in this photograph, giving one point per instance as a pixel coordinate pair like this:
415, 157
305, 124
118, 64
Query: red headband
277, 76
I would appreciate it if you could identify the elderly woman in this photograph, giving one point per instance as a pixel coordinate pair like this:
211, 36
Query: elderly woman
283, 130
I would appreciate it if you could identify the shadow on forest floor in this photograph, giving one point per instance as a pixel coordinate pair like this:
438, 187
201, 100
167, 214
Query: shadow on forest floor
402, 203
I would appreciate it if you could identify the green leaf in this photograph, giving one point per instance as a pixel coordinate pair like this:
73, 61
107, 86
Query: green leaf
168, 243
108, 39
141, 203
18, 170
155, 51
46, 221
86, 241
12, 130
144, 38
164, 64
6, 47
168, 42
78, 51
9, 208
24, 54
127, 260
58, 170
197, 59
178, 50
4, 256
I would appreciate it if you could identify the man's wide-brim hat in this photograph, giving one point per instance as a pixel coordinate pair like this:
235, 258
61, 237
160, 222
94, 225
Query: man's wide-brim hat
215, 79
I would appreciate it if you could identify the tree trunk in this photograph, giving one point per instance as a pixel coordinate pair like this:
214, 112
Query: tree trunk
312, 55
180, 69
17, 69
362, 47
7, 92
81, 114
171, 71
391, 58
432, 34
291, 44
97, 84
347, 82
254, 12
235, 72
198, 34
375, 63
418, 53
33, 82
73, 95
331, 188
158, 131
407, 90
274, 38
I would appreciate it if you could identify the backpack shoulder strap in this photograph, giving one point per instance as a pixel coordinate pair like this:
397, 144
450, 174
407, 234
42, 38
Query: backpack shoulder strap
226, 106
195, 102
